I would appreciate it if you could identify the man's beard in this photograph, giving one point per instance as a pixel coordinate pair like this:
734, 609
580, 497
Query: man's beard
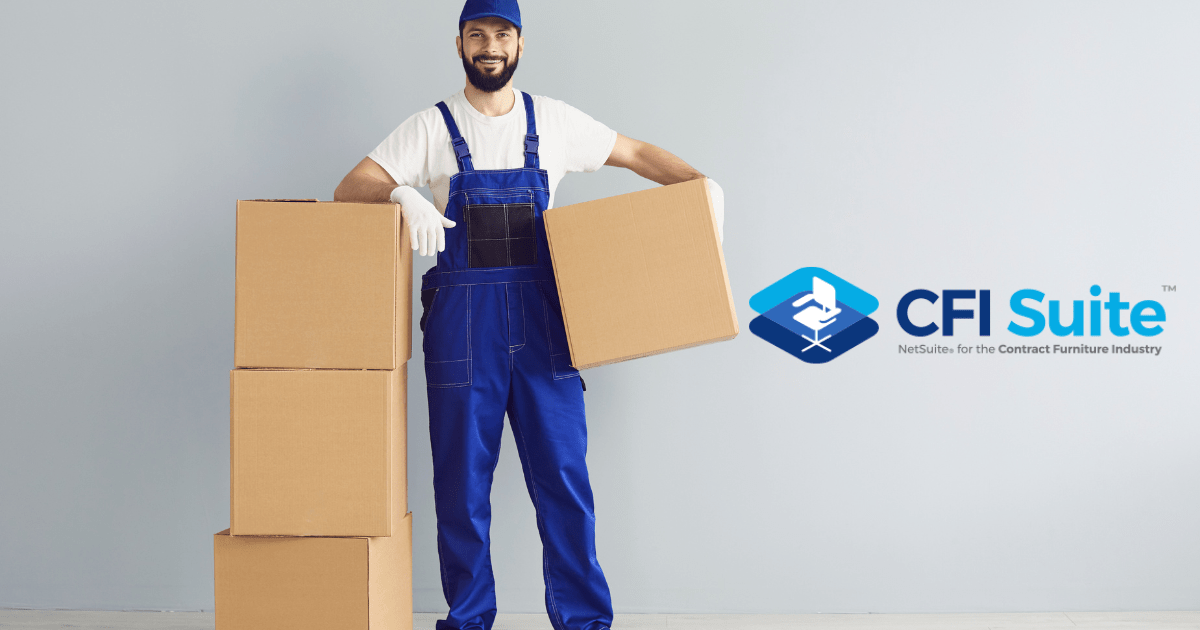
488, 82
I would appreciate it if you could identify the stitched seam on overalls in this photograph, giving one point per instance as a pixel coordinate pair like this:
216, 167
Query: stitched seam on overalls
424, 331
442, 563
503, 170
565, 375
432, 312
507, 238
512, 348
484, 191
549, 337
488, 546
465, 191
466, 205
550, 343
536, 250
470, 372
524, 330
470, 354
448, 385
465, 284
512, 417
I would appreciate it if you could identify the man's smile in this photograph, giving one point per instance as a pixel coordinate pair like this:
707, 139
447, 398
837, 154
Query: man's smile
491, 62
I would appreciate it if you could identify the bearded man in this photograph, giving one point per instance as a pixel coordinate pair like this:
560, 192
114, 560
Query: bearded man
494, 340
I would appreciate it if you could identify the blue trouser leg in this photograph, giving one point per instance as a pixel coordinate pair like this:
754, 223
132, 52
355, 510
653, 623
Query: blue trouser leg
511, 371
465, 426
549, 426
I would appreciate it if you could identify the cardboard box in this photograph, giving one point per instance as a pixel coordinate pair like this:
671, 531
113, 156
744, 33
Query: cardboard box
322, 285
284, 583
318, 452
640, 274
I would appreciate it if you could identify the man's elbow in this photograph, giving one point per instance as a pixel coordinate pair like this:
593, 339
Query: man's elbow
346, 189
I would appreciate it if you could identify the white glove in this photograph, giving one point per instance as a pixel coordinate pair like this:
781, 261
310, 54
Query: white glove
426, 226
718, 201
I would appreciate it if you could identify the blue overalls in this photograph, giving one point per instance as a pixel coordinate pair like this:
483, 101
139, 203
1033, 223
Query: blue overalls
494, 343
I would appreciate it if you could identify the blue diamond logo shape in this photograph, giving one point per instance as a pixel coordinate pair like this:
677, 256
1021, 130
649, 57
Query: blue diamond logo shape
814, 315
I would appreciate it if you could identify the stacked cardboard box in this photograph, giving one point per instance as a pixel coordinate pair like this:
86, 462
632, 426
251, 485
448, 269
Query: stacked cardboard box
320, 535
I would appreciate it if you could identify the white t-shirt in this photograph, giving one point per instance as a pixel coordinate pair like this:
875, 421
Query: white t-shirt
418, 153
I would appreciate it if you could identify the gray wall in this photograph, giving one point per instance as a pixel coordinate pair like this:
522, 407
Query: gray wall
941, 145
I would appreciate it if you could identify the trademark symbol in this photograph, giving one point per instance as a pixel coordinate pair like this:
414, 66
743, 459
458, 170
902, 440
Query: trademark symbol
1168, 288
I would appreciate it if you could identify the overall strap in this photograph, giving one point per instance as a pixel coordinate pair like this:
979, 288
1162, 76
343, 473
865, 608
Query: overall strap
531, 137
461, 152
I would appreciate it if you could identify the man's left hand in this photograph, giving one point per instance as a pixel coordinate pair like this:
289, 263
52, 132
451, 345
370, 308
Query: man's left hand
718, 201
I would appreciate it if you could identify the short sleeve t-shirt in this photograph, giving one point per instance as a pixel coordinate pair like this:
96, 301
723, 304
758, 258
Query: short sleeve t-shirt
418, 153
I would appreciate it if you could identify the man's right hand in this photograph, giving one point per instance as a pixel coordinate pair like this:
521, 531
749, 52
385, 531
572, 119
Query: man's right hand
426, 226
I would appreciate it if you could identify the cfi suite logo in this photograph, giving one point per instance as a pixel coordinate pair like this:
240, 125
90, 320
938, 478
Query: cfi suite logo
814, 315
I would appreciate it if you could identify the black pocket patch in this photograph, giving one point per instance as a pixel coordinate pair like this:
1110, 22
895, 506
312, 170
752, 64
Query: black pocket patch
427, 296
500, 234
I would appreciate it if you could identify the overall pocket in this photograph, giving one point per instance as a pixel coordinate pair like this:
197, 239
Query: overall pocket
501, 228
556, 332
427, 296
446, 322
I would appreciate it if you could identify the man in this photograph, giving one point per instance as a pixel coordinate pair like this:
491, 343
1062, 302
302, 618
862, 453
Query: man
494, 340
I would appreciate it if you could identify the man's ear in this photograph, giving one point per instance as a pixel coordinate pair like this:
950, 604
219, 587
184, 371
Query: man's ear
520, 46
458, 45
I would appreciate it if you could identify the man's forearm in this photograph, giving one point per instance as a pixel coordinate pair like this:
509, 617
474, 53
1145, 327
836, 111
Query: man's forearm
655, 164
663, 167
363, 189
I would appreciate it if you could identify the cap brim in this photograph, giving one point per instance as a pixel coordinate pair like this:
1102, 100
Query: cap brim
468, 18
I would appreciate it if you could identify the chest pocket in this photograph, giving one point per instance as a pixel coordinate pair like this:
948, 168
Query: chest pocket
500, 234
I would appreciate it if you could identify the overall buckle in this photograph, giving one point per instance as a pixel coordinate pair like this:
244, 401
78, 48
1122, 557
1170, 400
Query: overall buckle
460, 148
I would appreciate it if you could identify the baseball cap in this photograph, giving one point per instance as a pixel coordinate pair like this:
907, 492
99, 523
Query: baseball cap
504, 9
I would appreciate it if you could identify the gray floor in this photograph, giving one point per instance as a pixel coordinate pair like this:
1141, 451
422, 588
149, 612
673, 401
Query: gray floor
45, 619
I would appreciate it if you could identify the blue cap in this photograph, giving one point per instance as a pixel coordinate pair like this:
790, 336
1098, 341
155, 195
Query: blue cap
504, 9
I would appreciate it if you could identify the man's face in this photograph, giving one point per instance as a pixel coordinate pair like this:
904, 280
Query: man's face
489, 49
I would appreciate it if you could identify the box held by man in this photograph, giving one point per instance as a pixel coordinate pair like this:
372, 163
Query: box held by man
640, 274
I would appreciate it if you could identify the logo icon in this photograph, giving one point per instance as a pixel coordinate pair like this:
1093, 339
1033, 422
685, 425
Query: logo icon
814, 315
